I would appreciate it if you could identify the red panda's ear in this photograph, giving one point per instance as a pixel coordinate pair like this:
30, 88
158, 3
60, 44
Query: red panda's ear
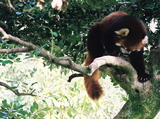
122, 32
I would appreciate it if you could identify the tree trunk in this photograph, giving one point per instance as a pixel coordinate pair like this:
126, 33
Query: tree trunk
144, 98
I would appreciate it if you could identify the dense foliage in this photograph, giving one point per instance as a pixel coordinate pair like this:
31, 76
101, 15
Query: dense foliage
56, 98
65, 33
61, 33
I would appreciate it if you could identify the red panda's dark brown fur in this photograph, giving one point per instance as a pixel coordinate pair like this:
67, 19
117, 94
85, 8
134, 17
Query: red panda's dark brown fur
92, 84
102, 38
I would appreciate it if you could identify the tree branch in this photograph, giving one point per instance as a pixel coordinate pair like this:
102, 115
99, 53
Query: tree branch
130, 78
16, 91
63, 61
10, 5
15, 50
129, 82
74, 76
68, 63
115, 61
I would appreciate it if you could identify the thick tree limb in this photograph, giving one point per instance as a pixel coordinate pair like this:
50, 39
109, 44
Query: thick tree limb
116, 61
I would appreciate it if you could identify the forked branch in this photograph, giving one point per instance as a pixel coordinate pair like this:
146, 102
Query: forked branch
16, 92
68, 63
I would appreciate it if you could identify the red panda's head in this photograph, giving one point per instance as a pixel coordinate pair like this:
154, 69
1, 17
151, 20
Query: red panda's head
131, 36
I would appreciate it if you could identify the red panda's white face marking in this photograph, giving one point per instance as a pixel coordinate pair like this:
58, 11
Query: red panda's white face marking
127, 46
145, 40
118, 44
138, 49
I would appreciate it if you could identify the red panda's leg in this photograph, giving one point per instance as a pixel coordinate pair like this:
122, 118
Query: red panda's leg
137, 61
95, 49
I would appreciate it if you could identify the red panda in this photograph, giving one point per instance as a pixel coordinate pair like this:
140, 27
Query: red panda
117, 32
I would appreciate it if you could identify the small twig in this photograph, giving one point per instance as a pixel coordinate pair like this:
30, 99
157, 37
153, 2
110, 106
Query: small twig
11, 6
16, 91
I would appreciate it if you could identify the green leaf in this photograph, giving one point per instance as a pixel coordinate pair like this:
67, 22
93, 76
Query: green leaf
20, 4
35, 105
14, 87
5, 104
104, 75
32, 108
34, 83
5, 62
54, 34
25, 83
43, 46
41, 115
46, 109
18, 59
35, 117
20, 106
124, 98
23, 112
2, 114
37, 52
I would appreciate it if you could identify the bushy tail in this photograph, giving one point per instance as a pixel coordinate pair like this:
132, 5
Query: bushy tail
94, 49
92, 85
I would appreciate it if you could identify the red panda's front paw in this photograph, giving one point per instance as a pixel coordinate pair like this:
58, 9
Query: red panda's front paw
143, 78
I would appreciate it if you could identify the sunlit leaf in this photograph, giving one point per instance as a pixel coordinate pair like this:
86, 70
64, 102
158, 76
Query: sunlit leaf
32, 109
35, 105
46, 109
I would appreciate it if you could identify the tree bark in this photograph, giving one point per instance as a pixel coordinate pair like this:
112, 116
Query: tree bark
144, 98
